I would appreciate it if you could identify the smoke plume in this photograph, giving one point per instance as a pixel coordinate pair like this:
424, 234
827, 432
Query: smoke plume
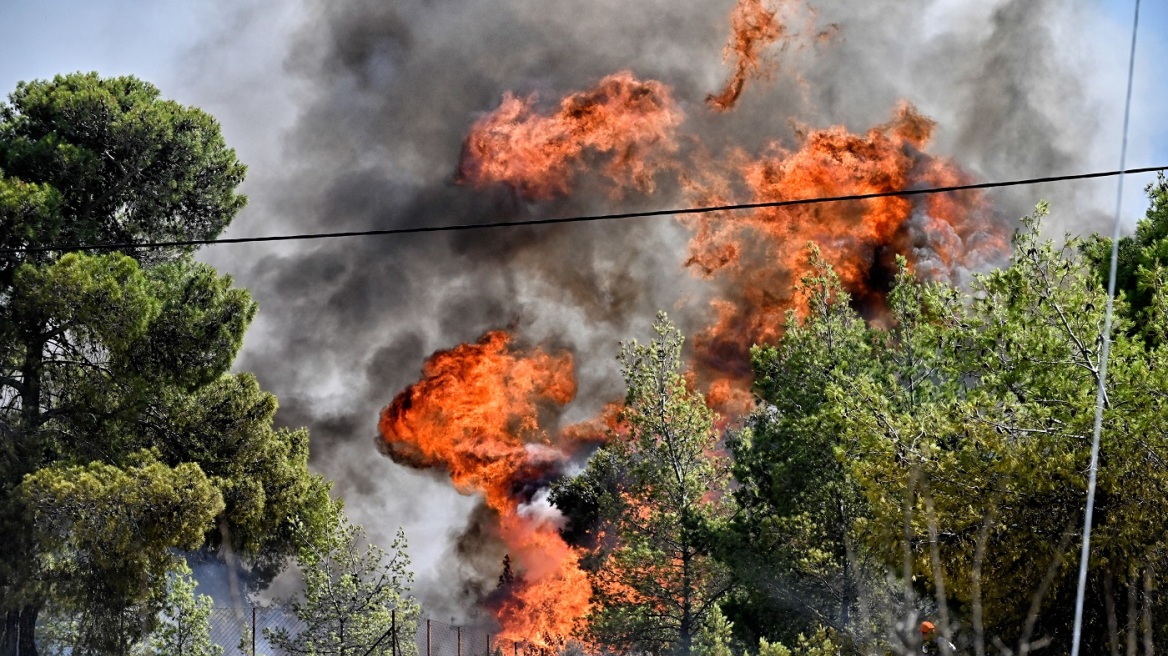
429, 112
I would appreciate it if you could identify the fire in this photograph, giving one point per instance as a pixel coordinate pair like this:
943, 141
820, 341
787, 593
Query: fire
480, 410
476, 414
753, 27
759, 256
629, 122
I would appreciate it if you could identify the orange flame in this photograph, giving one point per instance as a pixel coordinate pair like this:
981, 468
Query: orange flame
629, 121
476, 414
753, 27
760, 255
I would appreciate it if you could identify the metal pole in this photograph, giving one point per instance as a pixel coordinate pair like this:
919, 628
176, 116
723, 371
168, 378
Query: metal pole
459, 639
427, 637
393, 628
387, 632
253, 630
488, 644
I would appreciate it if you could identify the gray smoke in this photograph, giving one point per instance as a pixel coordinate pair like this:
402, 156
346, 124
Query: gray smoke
352, 115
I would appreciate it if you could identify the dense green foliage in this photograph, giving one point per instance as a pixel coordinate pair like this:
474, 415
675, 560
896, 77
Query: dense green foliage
1142, 262
124, 436
797, 500
953, 447
85, 159
931, 466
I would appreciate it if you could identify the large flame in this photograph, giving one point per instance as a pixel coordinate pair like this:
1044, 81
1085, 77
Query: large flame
476, 414
759, 255
628, 122
753, 27
477, 410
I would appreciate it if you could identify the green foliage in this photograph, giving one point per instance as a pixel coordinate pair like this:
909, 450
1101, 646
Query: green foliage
123, 436
766, 648
184, 629
105, 360
1140, 269
659, 490
819, 643
28, 213
106, 534
951, 449
355, 595
186, 626
108, 160
716, 635
797, 500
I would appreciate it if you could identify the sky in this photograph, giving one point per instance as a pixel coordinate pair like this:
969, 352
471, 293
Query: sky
350, 115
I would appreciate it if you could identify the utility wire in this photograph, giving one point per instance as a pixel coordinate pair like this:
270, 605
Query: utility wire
578, 219
1100, 396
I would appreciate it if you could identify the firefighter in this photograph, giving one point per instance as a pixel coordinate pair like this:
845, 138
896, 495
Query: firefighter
933, 642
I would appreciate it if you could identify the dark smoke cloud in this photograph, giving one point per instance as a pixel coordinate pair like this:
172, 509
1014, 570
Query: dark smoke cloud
352, 113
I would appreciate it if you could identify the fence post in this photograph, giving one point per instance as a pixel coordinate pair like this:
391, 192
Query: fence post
516, 644
253, 630
427, 637
393, 630
458, 640
488, 644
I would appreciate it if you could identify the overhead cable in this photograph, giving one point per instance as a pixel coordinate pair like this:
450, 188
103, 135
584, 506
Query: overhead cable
589, 218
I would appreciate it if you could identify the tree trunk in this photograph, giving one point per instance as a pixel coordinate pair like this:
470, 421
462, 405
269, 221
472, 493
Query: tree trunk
28, 619
685, 637
20, 625
30, 394
1147, 612
849, 587
1109, 606
19, 633
9, 644
1133, 601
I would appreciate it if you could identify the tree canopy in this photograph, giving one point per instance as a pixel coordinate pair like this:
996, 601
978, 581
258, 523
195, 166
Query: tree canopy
124, 434
356, 599
950, 450
659, 491
86, 159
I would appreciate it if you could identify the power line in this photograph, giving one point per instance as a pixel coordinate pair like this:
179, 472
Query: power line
582, 218
1101, 392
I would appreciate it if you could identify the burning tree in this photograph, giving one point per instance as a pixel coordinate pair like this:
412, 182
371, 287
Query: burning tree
955, 441
655, 578
476, 414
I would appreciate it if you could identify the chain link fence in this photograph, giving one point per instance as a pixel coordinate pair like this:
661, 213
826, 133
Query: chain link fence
244, 631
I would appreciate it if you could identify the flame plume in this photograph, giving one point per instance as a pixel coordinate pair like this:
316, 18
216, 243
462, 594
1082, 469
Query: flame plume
753, 28
476, 414
628, 121
759, 256
480, 410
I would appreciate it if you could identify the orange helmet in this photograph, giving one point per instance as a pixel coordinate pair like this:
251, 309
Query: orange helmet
927, 627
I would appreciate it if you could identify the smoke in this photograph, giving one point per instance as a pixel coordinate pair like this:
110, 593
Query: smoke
364, 105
